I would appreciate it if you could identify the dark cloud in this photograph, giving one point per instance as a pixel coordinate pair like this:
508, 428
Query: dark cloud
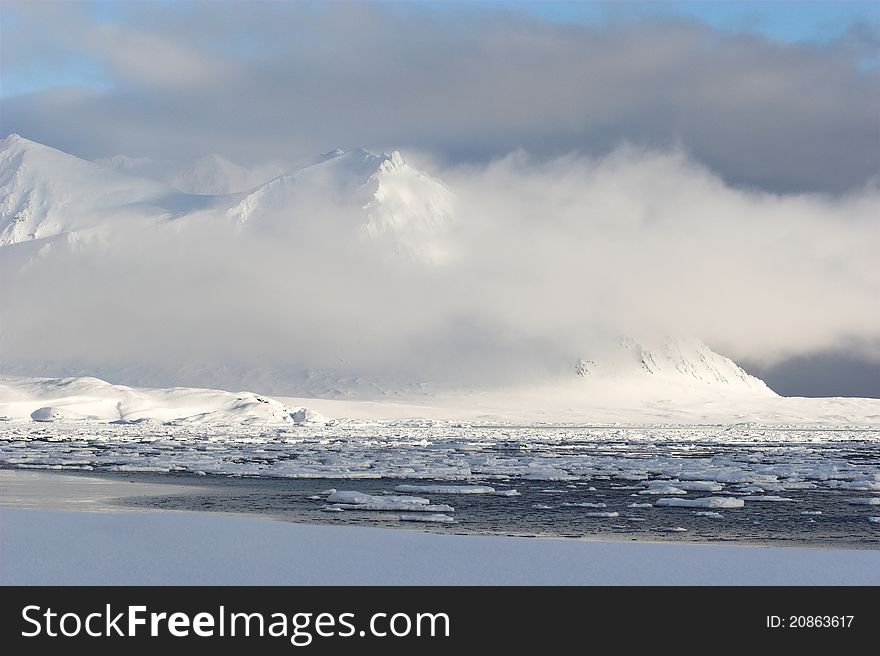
289, 80
827, 373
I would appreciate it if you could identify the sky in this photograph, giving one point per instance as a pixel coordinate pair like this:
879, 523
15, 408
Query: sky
753, 103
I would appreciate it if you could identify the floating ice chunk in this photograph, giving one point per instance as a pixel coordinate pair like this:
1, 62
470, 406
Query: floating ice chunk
708, 513
351, 500
641, 505
446, 489
505, 493
314, 497
584, 504
797, 485
769, 497
874, 520
602, 514
633, 475
541, 506
663, 489
548, 474
863, 485
147, 469
699, 486
867, 501
333, 509
332, 490
350, 496
633, 518
811, 512
751, 489
383, 504
673, 529
704, 502
428, 517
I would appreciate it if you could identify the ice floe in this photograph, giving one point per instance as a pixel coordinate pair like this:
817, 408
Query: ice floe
703, 502
663, 488
439, 518
699, 486
447, 489
351, 500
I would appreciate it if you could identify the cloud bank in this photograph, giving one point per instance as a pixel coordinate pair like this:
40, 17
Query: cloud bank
294, 79
552, 261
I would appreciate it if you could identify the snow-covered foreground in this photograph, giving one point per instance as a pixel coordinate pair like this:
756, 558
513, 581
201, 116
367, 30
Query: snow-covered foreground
79, 398
85, 397
52, 547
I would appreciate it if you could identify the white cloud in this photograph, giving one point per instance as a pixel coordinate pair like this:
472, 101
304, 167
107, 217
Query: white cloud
553, 258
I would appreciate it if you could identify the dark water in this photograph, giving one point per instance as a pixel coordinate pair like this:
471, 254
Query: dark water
841, 524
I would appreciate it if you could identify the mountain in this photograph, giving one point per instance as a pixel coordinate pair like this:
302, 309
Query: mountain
382, 200
52, 399
390, 201
46, 193
669, 361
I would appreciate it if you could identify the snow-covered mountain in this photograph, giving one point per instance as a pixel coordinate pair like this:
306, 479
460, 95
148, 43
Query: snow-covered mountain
52, 399
46, 193
683, 362
390, 201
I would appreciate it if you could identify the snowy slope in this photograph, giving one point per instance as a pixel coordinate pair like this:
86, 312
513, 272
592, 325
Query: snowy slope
53, 399
393, 202
45, 193
683, 362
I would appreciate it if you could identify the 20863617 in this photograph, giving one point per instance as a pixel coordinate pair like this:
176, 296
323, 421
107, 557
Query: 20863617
810, 621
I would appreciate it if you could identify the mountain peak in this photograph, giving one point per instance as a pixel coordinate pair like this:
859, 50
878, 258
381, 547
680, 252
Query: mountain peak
14, 142
45, 192
396, 204
392, 162
665, 360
